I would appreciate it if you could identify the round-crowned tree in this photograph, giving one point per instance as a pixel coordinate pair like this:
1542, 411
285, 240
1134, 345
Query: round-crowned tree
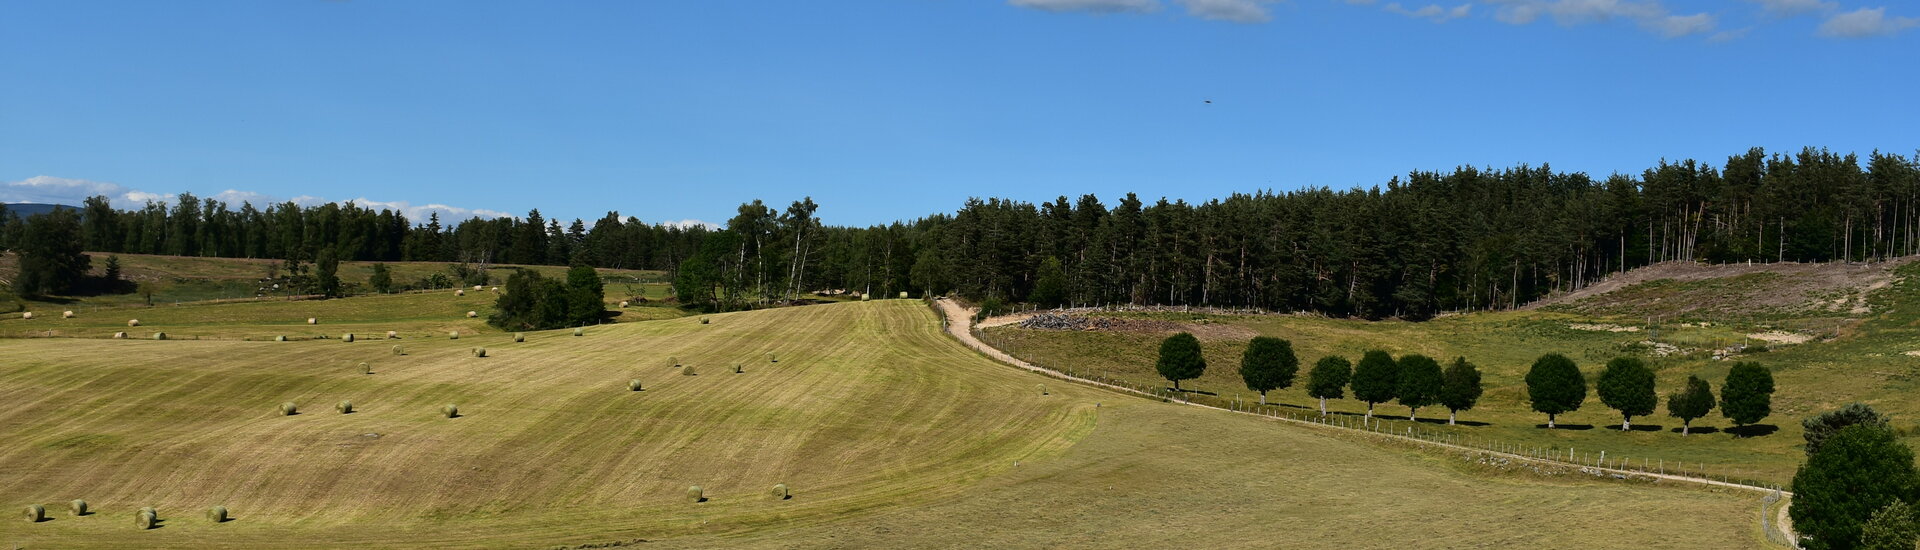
1375, 379
1180, 359
1627, 386
1747, 395
1895, 527
1328, 380
1420, 383
1822, 426
1268, 364
1460, 388
1693, 401
1858, 471
1555, 386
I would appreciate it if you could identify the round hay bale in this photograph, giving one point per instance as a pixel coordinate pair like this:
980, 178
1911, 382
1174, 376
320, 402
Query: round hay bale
451, 411
865, 297
780, 492
519, 337
313, 321
393, 335
703, 320
1043, 388
633, 385
673, 360
476, 288
78, 507
281, 338
345, 407
289, 409
903, 295
688, 371
459, 293
771, 358
623, 304
472, 314
397, 350
145, 518
479, 352
696, 494
133, 322
159, 335
348, 337
36, 513
27, 316
217, 514
737, 369
120, 335
496, 289
579, 331
365, 368
455, 335
68, 314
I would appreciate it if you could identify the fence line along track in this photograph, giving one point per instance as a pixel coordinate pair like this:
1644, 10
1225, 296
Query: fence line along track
957, 321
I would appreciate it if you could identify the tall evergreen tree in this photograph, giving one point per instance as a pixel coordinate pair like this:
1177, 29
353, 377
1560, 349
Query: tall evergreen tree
1328, 380
1050, 287
1180, 359
1555, 386
1420, 383
1627, 386
1268, 364
1375, 379
1460, 389
1693, 401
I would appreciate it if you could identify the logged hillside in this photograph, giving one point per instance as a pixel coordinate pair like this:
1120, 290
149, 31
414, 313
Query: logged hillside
889, 434
1696, 291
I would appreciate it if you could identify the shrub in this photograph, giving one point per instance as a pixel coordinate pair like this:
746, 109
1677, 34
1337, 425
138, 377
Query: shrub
451, 411
519, 337
289, 409
579, 331
479, 352
398, 350
78, 507
146, 518
455, 335
345, 407
159, 335
36, 513
348, 337
633, 385
688, 371
366, 368
780, 492
696, 494
133, 322
217, 514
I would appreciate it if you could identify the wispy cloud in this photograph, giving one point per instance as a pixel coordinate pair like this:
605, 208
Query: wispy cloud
1789, 8
1090, 6
70, 191
1432, 12
1650, 15
1866, 22
1237, 11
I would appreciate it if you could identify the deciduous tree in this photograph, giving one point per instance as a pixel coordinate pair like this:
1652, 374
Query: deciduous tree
1268, 364
1627, 386
1460, 388
1375, 379
1693, 401
1555, 386
1328, 380
1420, 383
1180, 359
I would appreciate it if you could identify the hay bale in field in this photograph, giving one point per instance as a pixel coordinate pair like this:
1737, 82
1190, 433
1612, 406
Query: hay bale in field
397, 350
472, 314
688, 371
451, 411
737, 369
345, 407
459, 293
217, 514
281, 338
348, 337
120, 335
393, 335
519, 337
159, 335
1043, 388
133, 322
696, 494
496, 289
579, 331
479, 352
780, 492
771, 358
28, 316
146, 518
365, 368
454, 335
36, 513
68, 314
289, 409
78, 507
903, 295
673, 360
313, 320
703, 320
477, 288
633, 385
623, 304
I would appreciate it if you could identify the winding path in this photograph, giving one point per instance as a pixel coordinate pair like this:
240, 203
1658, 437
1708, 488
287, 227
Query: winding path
959, 324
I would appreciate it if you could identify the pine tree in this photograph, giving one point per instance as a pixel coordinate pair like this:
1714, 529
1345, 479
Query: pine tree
1627, 386
1460, 389
1420, 383
1693, 401
1376, 379
381, 280
1268, 364
1050, 286
1328, 380
1180, 359
1555, 386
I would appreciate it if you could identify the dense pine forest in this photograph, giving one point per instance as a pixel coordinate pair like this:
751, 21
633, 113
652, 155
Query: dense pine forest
1413, 247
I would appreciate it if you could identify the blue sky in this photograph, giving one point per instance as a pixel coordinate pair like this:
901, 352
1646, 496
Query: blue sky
884, 110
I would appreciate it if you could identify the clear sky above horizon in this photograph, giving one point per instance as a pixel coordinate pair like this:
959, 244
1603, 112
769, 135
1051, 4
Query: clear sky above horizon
887, 110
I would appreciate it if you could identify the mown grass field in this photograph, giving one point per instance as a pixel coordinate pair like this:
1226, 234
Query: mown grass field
1863, 359
889, 433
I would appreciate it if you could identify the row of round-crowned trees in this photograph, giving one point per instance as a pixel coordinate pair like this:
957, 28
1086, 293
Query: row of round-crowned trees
1556, 386
1268, 364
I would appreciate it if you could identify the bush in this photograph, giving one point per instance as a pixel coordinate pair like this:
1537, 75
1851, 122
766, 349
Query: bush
519, 337
451, 411
780, 492
217, 514
634, 385
78, 507
348, 337
479, 352
696, 494
289, 409
397, 350
688, 371
36, 513
146, 518
345, 407
366, 368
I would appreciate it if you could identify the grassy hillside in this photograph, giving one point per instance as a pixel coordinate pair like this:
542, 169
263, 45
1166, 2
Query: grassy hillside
1863, 357
889, 433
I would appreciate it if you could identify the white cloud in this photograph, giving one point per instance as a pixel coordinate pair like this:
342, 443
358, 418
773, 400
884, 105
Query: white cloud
1788, 8
1090, 6
1866, 22
1649, 14
68, 191
1238, 11
1431, 12
1675, 26
683, 224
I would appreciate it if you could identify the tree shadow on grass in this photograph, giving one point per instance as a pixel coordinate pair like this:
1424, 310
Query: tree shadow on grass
1698, 430
1753, 430
1639, 427
1193, 391
1573, 427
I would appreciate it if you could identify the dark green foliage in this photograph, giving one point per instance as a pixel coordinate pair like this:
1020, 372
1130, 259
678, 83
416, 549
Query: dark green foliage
1822, 426
1858, 471
1555, 386
991, 307
1420, 383
1328, 380
1268, 364
1693, 401
1627, 386
326, 274
584, 296
1747, 396
51, 258
381, 280
1376, 379
534, 302
1050, 284
1895, 526
1180, 359
113, 269
1460, 388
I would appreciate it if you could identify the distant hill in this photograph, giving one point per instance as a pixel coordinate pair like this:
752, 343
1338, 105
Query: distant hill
29, 209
